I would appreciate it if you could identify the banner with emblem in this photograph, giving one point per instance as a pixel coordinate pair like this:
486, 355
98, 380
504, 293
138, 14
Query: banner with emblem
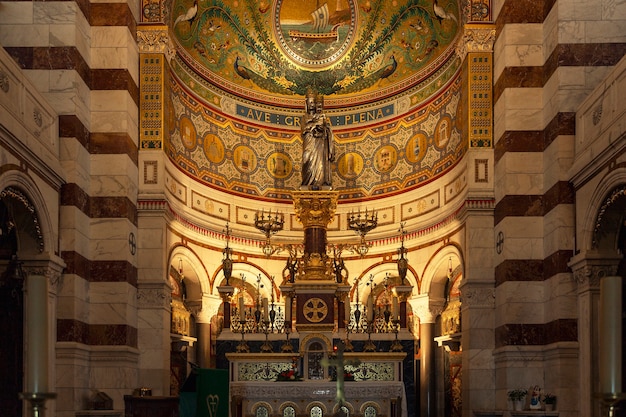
212, 389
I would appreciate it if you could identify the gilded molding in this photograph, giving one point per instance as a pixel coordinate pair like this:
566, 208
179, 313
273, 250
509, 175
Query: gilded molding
476, 38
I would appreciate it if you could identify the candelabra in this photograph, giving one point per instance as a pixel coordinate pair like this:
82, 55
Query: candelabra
396, 346
269, 224
227, 260
348, 344
287, 347
243, 345
403, 262
362, 224
266, 347
369, 346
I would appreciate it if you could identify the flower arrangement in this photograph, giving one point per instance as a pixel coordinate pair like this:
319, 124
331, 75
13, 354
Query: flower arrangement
517, 394
289, 375
347, 376
549, 398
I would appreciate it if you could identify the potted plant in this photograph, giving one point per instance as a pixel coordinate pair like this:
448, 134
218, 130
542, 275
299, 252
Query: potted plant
517, 397
549, 401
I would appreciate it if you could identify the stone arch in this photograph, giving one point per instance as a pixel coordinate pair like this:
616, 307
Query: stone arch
261, 404
368, 404
609, 221
436, 274
319, 404
286, 405
589, 236
36, 233
185, 263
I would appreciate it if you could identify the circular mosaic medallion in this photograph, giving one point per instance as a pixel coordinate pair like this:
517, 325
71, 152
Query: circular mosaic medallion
350, 165
279, 165
245, 159
187, 133
315, 310
213, 148
315, 34
385, 158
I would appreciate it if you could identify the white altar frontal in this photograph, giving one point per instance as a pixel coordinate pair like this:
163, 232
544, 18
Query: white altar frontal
275, 385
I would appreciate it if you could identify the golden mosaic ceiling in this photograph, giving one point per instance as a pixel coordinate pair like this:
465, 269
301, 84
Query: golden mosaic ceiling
387, 70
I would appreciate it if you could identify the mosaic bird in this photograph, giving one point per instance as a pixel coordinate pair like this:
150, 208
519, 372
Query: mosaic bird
264, 6
189, 15
377, 76
242, 71
387, 70
441, 13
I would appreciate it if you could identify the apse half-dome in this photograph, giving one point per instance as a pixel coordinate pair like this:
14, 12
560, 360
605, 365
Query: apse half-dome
387, 70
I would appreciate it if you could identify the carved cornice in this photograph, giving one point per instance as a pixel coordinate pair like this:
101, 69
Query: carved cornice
483, 297
476, 38
154, 297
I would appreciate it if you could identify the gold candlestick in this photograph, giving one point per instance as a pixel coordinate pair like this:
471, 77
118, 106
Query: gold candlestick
37, 401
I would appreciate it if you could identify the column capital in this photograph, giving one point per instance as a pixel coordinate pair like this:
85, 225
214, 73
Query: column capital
155, 39
403, 292
426, 308
589, 267
476, 38
210, 307
315, 208
45, 264
226, 292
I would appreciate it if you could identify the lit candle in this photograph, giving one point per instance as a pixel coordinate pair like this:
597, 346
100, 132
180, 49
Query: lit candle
242, 314
37, 333
610, 335
394, 307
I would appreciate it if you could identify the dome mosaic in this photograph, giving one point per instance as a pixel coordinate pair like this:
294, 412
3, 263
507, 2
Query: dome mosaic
388, 73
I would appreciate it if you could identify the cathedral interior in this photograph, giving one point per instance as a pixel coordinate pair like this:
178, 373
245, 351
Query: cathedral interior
382, 208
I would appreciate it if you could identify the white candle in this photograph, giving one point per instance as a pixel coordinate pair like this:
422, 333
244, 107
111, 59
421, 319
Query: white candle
265, 310
242, 314
288, 312
610, 335
37, 333
370, 308
394, 307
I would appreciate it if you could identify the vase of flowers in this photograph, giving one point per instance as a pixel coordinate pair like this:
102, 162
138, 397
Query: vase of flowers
517, 397
549, 401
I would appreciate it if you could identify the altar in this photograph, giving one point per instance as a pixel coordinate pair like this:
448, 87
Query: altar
260, 386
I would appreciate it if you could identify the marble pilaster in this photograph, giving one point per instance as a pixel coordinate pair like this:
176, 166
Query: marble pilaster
587, 270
